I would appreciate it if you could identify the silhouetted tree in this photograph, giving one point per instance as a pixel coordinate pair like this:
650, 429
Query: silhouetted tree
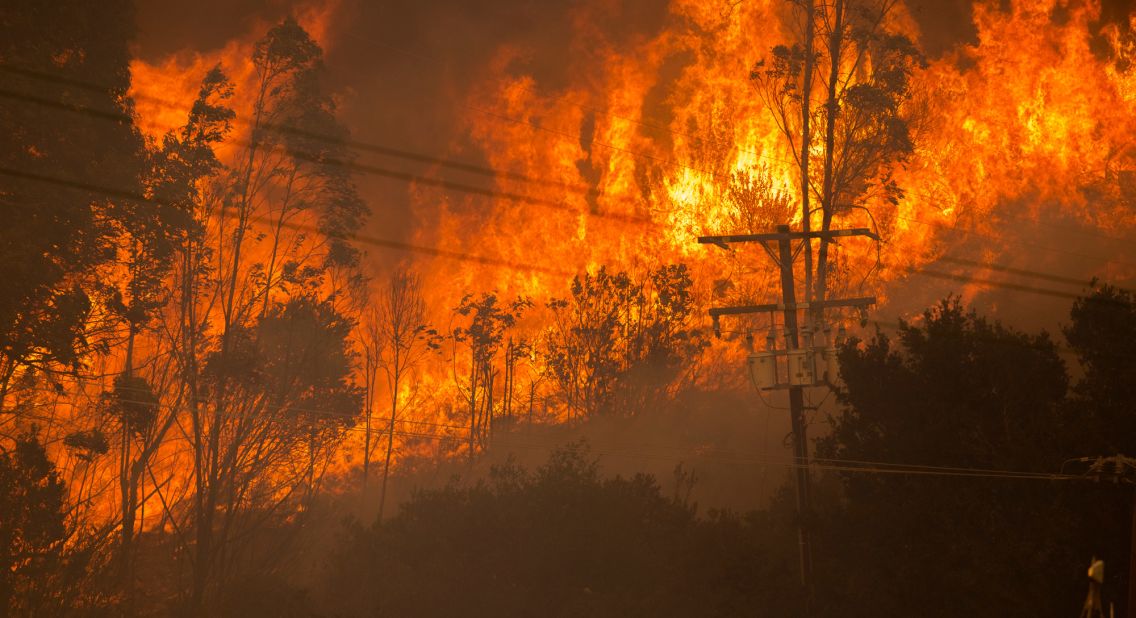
838, 93
163, 228
1102, 331
400, 338
32, 531
481, 337
1102, 405
959, 392
265, 356
617, 342
562, 541
69, 131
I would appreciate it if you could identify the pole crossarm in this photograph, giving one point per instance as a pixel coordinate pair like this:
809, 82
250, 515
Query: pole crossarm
822, 304
723, 241
801, 364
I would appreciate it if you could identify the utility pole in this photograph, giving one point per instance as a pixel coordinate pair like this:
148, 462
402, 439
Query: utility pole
797, 417
801, 359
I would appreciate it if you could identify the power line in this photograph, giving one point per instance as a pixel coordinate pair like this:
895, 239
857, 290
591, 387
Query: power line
659, 452
467, 257
361, 238
455, 255
587, 191
650, 124
659, 127
925, 272
461, 187
373, 169
331, 139
1018, 242
1013, 271
111, 192
186, 408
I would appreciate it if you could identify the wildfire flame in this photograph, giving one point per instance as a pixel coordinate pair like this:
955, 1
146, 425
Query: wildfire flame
629, 159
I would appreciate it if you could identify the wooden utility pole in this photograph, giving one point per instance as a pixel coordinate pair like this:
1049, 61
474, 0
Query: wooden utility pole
797, 417
801, 358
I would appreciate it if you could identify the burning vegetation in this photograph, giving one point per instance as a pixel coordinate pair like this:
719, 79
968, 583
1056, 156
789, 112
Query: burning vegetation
246, 300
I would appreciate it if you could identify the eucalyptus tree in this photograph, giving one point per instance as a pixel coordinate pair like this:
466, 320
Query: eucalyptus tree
69, 133
271, 395
487, 320
168, 233
837, 93
401, 337
618, 340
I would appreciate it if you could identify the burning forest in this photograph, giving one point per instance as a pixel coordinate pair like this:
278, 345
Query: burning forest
589, 308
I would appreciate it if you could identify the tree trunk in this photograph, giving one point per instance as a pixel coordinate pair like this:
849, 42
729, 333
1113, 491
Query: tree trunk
127, 488
806, 138
277, 230
390, 439
207, 441
827, 205
369, 410
472, 406
487, 417
9, 370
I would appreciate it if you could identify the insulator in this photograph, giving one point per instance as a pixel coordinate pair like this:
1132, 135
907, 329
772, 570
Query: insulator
831, 365
806, 336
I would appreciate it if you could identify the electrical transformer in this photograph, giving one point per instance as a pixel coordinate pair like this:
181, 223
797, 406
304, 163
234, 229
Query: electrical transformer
763, 370
802, 367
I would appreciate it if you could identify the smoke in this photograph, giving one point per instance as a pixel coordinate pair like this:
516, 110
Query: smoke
943, 24
409, 72
720, 450
167, 28
405, 69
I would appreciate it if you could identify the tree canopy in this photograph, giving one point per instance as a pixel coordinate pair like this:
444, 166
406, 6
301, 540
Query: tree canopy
559, 541
957, 391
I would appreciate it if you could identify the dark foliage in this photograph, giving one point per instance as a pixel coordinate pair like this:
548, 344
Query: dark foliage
1102, 332
56, 230
32, 530
562, 541
618, 341
964, 392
